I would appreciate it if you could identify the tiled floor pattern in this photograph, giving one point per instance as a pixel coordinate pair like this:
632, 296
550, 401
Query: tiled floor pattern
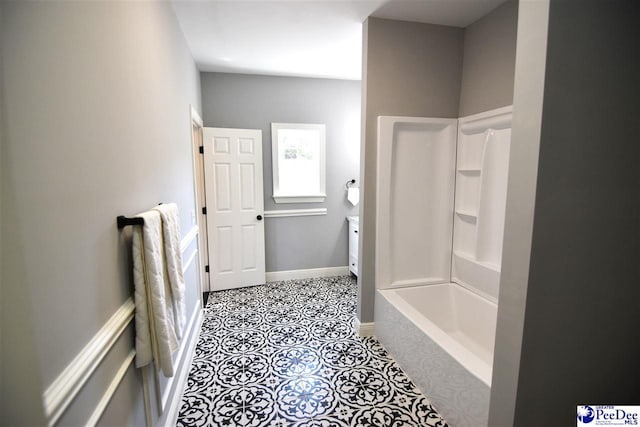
286, 354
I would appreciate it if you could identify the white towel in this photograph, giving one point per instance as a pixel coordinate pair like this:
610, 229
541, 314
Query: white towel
173, 256
155, 331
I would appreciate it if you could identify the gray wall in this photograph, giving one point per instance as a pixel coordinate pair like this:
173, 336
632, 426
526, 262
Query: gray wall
409, 69
96, 101
20, 384
583, 288
579, 342
489, 61
253, 102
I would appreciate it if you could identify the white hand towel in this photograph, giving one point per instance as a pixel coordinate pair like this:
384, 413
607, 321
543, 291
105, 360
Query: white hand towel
353, 195
173, 254
155, 331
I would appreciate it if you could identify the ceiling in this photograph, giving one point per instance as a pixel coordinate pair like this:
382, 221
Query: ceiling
302, 37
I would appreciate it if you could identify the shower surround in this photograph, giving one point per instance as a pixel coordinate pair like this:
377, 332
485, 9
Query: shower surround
440, 220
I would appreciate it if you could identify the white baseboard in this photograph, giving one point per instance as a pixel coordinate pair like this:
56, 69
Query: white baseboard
366, 329
276, 276
180, 378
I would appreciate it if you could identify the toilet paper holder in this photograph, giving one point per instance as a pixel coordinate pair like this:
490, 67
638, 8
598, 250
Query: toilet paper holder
349, 184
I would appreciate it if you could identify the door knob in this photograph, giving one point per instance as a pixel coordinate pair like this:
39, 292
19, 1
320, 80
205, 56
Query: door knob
259, 217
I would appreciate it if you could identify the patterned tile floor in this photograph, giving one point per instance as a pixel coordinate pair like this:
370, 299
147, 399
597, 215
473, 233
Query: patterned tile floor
286, 354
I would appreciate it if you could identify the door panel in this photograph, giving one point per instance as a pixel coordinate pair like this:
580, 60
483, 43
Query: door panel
222, 187
233, 181
248, 247
224, 259
247, 187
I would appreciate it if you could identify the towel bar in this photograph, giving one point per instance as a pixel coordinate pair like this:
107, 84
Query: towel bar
123, 221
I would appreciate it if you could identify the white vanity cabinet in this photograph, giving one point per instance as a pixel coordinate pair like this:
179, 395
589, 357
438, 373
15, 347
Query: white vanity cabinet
353, 243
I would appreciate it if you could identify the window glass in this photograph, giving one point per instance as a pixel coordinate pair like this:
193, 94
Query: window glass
298, 162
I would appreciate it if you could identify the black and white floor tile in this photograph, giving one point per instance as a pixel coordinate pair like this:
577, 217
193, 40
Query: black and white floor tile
286, 354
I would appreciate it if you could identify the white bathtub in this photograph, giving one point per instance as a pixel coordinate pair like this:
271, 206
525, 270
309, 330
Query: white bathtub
443, 336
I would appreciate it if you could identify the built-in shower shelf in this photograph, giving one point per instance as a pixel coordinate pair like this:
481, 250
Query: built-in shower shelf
470, 171
480, 198
467, 215
469, 258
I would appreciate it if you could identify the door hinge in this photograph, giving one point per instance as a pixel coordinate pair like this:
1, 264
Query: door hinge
206, 268
201, 149
204, 210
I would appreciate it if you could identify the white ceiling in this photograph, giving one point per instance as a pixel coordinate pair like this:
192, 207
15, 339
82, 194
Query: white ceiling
301, 37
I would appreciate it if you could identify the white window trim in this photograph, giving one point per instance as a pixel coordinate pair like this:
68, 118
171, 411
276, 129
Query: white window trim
299, 198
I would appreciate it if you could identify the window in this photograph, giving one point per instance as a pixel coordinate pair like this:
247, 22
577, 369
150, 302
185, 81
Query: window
298, 154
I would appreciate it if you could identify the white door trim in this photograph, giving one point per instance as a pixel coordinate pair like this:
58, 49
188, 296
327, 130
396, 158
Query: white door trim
199, 196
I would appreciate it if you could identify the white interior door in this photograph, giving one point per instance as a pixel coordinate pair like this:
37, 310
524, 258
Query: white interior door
235, 207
